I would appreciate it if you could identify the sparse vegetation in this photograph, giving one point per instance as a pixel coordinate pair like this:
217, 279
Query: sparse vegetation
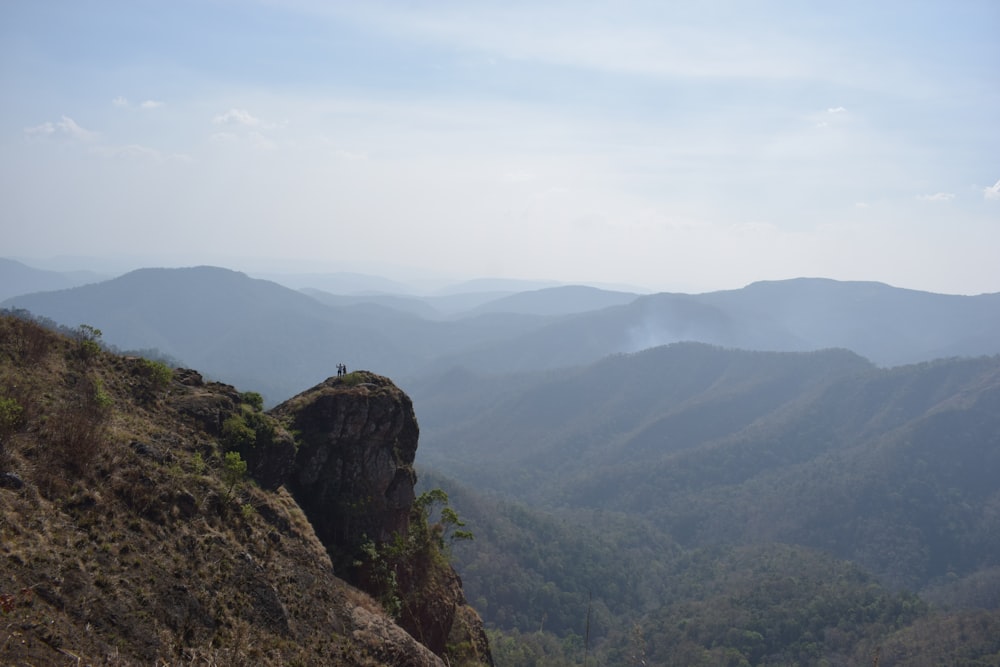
234, 470
118, 543
158, 372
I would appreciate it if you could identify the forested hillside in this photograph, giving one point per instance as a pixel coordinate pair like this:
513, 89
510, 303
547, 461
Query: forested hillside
665, 481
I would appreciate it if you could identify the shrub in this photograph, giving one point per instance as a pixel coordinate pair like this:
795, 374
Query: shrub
234, 469
11, 417
29, 340
253, 399
158, 373
78, 431
237, 434
89, 341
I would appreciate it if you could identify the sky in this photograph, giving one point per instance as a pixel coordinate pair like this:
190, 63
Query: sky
676, 146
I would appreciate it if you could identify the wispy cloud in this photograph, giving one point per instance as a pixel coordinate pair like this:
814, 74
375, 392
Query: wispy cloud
992, 192
657, 41
151, 104
65, 127
832, 116
937, 197
120, 101
237, 117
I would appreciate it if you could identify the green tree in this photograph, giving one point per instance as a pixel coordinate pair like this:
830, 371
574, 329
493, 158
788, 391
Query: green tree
234, 469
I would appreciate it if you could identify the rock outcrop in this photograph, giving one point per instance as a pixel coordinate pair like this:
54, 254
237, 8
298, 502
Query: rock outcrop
354, 479
353, 474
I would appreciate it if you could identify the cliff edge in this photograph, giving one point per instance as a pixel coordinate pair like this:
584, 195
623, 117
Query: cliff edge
353, 477
148, 516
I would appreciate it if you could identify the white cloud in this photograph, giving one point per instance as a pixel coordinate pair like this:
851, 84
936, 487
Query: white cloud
992, 192
44, 130
831, 117
937, 197
66, 127
236, 117
120, 101
151, 104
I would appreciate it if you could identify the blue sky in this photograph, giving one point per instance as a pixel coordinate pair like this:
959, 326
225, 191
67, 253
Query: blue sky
674, 146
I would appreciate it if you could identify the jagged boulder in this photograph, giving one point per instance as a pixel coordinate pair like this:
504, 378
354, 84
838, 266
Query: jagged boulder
353, 473
354, 479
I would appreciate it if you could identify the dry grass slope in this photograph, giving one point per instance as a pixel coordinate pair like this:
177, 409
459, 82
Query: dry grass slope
120, 542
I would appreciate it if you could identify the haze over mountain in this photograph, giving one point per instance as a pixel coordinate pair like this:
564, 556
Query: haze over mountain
217, 319
721, 445
692, 486
17, 278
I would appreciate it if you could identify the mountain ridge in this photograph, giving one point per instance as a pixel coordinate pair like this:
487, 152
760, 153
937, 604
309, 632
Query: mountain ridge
215, 319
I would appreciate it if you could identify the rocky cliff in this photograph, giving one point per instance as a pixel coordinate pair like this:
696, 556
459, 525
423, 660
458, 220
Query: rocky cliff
131, 535
353, 477
353, 474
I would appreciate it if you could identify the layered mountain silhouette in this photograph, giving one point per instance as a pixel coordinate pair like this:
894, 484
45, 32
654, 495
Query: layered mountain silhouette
17, 278
219, 319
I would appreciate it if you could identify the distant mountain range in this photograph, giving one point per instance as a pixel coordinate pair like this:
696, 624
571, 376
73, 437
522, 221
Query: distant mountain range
257, 333
17, 278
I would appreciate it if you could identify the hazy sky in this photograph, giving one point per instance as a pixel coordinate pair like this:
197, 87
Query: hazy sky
679, 146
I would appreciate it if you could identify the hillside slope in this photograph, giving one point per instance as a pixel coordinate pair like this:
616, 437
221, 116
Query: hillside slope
891, 468
130, 533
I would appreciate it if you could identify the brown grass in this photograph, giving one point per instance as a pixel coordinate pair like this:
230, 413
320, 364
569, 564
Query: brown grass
121, 548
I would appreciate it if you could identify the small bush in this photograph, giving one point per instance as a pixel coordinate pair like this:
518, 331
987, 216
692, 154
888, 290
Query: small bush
234, 469
11, 418
158, 373
89, 341
78, 432
29, 340
237, 434
253, 399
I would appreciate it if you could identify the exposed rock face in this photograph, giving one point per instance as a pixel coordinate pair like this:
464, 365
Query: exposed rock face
353, 473
354, 480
